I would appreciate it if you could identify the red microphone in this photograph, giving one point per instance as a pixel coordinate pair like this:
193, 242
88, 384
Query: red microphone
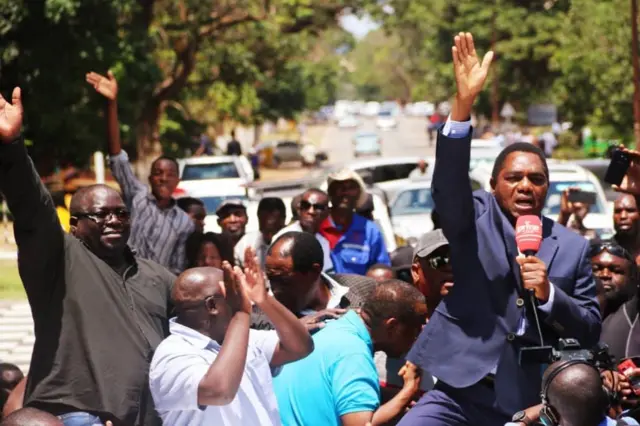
528, 234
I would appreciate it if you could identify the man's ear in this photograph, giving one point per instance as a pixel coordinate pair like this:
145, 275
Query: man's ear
212, 307
220, 223
391, 325
73, 225
415, 272
492, 183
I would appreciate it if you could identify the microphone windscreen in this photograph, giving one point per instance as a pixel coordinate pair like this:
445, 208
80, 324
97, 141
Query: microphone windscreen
528, 233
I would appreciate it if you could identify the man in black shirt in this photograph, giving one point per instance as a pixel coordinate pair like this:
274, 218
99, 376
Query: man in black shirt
99, 311
234, 147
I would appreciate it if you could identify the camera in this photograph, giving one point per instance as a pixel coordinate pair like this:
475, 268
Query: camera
567, 350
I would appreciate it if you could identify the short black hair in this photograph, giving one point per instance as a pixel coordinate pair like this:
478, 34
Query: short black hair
577, 394
168, 158
518, 147
272, 204
29, 416
313, 191
394, 299
305, 250
185, 203
197, 239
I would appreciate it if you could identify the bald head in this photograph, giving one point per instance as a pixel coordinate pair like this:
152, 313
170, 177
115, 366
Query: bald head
31, 417
576, 393
85, 197
195, 284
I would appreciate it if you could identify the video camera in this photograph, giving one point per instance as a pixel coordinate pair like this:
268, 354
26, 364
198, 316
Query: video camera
568, 349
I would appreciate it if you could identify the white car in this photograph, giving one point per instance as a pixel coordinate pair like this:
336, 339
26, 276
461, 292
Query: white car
348, 122
386, 121
214, 176
563, 175
411, 210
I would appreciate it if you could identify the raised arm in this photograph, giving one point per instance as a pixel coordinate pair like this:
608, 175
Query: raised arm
36, 226
451, 186
295, 341
118, 159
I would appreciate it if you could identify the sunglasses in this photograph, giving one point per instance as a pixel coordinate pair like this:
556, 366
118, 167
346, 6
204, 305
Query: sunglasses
438, 262
305, 205
102, 216
612, 248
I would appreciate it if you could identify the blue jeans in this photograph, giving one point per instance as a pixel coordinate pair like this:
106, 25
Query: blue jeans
80, 418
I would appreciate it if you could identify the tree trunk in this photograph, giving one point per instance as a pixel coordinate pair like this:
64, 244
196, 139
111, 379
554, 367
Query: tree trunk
148, 145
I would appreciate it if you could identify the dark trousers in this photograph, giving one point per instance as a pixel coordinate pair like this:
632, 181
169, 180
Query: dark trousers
447, 406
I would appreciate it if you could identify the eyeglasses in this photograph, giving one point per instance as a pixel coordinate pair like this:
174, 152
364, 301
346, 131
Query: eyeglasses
612, 248
438, 262
102, 216
305, 205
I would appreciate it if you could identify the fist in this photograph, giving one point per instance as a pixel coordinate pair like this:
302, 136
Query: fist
534, 276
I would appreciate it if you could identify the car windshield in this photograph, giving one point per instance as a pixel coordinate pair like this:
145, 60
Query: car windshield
385, 114
413, 201
212, 203
210, 171
554, 195
366, 139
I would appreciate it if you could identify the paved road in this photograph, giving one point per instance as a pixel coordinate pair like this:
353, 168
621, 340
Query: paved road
16, 325
409, 139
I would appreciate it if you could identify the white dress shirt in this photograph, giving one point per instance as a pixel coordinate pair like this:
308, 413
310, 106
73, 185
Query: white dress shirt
182, 360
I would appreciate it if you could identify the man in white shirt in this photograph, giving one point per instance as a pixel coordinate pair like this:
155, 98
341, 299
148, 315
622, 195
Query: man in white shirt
271, 217
313, 209
212, 370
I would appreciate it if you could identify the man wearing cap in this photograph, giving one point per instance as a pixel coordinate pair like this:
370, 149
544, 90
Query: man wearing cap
356, 243
232, 219
431, 274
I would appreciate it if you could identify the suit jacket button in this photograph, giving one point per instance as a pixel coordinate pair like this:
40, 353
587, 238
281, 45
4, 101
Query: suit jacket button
511, 337
520, 302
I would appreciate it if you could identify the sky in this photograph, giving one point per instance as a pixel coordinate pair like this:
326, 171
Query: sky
359, 27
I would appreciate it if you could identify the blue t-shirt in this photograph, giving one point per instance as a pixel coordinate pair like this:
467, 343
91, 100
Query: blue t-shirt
339, 377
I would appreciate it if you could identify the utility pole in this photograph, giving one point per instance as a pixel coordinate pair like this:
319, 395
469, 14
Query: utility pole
636, 72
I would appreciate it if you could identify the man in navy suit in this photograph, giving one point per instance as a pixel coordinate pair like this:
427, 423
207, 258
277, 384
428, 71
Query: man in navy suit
473, 340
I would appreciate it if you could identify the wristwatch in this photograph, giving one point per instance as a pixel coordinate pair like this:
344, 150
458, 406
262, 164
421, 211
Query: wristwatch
521, 417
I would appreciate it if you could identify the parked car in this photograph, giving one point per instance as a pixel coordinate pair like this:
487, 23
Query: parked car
367, 143
199, 174
348, 122
291, 151
386, 120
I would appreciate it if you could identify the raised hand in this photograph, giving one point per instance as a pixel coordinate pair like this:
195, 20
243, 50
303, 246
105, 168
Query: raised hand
470, 73
11, 117
106, 86
254, 282
235, 293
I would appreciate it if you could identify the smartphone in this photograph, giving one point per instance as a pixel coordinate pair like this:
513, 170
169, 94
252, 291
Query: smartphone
625, 368
582, 197
618, 167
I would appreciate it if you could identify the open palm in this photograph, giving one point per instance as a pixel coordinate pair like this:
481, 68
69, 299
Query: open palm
106, 86
11, 117
254, 283
470, 73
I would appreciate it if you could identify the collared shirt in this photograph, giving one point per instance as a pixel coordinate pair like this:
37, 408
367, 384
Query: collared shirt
326, 249
334, 380
357, 248
157, 234
254, 240
183, 359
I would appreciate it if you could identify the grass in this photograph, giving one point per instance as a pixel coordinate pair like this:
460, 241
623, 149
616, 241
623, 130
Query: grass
10, 283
